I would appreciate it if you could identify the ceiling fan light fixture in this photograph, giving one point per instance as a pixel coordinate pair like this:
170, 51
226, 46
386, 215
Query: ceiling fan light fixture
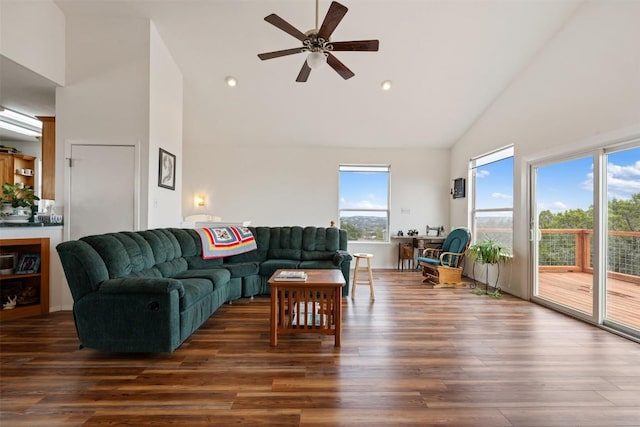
231, 81
386, 85
316, 60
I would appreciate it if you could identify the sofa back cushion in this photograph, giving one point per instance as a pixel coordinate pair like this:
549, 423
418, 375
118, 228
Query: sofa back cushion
166, 251
262, 236
344, 239
285, 243
113, 252
192, 250
320, 243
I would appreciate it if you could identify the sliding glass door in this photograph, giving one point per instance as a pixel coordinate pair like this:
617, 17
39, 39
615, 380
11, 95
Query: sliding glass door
585, 235
622, 282
564, 230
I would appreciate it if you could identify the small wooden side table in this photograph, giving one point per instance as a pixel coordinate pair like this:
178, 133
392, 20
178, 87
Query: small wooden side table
310, 307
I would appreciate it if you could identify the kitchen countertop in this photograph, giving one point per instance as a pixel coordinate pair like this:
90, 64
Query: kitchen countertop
29, 224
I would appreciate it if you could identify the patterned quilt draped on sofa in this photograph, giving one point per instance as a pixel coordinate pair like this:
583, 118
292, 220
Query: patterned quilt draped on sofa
220, 242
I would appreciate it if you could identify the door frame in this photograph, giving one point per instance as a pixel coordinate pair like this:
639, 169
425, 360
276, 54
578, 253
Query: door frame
67, 181
534, 233
598, 152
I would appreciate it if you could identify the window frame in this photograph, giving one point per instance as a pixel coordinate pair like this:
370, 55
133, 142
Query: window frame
477, 162
382, 168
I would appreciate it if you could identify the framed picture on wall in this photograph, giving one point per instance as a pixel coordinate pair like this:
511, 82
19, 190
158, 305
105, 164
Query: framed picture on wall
29, 263
167, 170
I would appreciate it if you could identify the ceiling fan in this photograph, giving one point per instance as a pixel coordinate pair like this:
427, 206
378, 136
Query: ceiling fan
318, 43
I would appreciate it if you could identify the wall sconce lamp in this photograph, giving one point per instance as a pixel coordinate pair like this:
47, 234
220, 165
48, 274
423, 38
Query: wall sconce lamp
199, 200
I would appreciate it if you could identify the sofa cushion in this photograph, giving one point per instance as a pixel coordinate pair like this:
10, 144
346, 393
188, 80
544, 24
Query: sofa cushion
285, 243
194, 290
321, 264
321, 239
139, 251
113, 254
172, 268
197, 263
261, 236
270, 266
242, 269
218, 276
163, 243
188, 240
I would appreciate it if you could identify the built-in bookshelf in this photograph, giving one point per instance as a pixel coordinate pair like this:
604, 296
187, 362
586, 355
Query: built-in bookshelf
26, 279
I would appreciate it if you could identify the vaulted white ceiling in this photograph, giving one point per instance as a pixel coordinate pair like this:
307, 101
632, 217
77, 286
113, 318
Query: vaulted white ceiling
448, 61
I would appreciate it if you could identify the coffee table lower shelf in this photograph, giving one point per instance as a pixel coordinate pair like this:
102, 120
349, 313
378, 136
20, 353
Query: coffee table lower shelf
310, 307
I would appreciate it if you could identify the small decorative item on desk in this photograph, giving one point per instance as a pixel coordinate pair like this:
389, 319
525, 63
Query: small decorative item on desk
439, 230
400, 233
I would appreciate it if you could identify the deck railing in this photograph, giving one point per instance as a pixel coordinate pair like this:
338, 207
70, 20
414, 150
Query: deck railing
571, 250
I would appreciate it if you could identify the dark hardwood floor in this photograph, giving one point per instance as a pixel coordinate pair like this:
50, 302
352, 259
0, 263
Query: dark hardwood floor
415, 357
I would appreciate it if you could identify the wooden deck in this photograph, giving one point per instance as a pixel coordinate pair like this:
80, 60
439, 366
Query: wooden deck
575, 290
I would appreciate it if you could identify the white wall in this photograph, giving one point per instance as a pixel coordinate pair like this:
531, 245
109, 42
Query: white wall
299, 186
584, 86
165, 131
32, 35
106, 99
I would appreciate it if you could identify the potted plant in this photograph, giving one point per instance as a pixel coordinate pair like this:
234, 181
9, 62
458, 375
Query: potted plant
17, 201
488, 252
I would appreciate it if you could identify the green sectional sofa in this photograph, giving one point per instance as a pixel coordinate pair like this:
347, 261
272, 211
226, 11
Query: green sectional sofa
148, 291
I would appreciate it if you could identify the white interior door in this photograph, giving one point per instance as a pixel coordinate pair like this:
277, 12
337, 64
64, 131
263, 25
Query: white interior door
102, 183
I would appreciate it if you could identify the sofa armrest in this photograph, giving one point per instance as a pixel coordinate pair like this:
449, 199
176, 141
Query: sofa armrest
341, 256
141, 285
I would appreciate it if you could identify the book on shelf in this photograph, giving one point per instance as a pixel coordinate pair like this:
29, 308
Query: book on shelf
311, 320
291, 276
309, 315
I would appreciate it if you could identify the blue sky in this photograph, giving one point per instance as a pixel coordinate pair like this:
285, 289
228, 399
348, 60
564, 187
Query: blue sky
494, 185
364, 190
560, 187
569, 185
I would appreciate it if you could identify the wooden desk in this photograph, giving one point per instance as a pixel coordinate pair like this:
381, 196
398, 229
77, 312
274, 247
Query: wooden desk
310, 307
418, 242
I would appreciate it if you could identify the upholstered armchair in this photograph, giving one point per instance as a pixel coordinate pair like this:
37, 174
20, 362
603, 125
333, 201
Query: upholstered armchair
442, 267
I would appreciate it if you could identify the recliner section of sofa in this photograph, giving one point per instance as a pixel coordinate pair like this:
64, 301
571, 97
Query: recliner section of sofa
148, 291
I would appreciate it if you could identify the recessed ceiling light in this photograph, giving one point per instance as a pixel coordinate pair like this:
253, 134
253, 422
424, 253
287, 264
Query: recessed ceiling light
231, 81
386, 85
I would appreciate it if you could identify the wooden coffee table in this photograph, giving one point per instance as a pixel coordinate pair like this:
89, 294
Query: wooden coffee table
310, 307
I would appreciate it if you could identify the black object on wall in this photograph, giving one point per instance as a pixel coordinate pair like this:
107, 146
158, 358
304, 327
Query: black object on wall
458, 190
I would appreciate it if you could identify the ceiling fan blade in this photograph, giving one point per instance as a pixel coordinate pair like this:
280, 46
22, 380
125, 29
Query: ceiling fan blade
275, 20
279, 53
339, 67
359, 45
304, 73
334, 16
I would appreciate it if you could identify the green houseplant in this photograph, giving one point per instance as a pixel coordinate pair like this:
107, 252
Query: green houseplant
488, 252
16, 197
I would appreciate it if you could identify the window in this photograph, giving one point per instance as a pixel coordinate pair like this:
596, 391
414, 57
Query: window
492, 210
364, 202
